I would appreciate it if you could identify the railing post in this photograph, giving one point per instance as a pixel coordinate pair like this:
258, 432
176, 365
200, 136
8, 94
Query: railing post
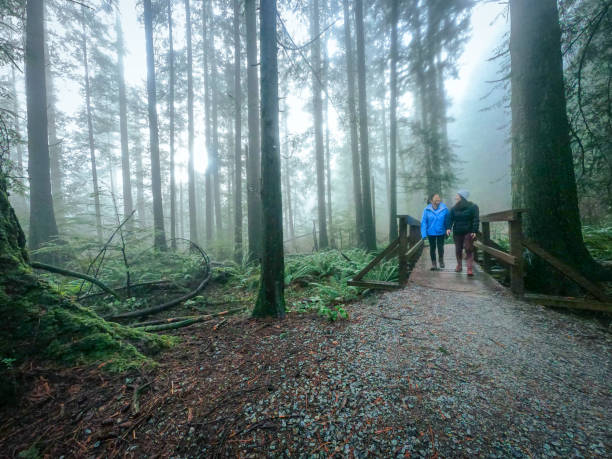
403, 245
515, 227
486, 238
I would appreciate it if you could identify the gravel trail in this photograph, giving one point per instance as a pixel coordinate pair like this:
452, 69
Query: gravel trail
425, 372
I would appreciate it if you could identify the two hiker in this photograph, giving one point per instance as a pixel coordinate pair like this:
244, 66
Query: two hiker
438, 222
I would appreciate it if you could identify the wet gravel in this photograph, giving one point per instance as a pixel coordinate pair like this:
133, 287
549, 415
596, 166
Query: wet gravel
425, 372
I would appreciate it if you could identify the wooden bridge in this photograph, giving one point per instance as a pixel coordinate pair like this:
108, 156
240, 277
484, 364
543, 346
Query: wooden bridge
414, 265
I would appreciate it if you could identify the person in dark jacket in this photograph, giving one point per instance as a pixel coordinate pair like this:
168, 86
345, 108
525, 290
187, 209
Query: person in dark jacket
463, 220
433, 227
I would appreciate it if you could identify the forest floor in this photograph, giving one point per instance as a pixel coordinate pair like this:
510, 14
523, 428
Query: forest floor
413, 373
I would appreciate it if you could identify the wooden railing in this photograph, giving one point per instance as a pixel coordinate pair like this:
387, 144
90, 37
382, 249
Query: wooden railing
514, 261
407, 247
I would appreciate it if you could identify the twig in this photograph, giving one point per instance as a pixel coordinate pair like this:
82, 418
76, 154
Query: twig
186, 321
66, 272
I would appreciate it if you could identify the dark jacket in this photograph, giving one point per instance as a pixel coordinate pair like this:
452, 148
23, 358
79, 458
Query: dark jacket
463, 220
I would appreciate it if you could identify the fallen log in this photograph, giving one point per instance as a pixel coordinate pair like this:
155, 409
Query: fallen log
67, 272
180, 322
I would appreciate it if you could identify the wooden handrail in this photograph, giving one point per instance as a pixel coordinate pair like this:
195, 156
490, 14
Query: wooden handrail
503, 256
503, 216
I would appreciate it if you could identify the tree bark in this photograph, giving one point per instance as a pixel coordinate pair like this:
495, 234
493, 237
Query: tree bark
193, 225
171, 77
368, 221
214, 163
352, 112
128, 204
543, 178
42, 219
254, 156
206, 50
393, 234
158, 211
317, 105
92, 148
271, 297
237, 139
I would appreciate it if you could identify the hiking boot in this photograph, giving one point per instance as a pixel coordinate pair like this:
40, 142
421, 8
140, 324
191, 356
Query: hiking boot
470, 273
442, 264
434, 266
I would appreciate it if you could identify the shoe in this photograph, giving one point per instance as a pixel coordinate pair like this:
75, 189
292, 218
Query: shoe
441, 264
470, 273
434, 267
459, 268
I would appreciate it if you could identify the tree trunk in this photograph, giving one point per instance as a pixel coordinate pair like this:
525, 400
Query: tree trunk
317, 105
287, 177
324, 80
92, 148
214, 163
393, 126
368, 221
254, 157
352, 112
42, 219
171, 78
206, 50
271, 297
238, 139
128, 204
140, 203
543, 178
20, 200
193, 225
55, 145
158, 211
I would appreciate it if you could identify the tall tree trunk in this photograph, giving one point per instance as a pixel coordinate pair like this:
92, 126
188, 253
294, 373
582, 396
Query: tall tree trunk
206, 50
271, 297
193, 225
543, 178
317, 105
254, 157
352, 112
140, 200
238, 139
287, 177
368, 221
128, 204
393, 126
324, 80
181, 216
432, 106
216, 183
55, 145
21, 204
92, 148
171, 78
158, 210
42, 219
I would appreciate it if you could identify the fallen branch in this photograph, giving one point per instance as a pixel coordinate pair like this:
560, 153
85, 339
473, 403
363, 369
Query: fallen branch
175, 302
67, 272
179, 322
135, 397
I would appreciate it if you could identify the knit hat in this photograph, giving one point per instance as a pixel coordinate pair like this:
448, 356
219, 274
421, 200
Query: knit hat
464, 194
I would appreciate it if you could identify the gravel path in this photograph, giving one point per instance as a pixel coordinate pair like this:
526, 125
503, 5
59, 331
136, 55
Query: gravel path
425, 372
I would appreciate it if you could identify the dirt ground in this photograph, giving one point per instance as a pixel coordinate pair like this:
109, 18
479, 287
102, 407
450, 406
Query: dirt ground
421, 372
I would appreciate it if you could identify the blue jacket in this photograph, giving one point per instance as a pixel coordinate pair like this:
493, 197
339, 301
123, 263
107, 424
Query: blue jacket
433, 221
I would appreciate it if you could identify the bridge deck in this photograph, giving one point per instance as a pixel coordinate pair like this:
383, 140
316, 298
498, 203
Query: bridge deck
447, 278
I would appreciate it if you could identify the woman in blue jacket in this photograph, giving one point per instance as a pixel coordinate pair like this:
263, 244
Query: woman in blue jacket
433, 227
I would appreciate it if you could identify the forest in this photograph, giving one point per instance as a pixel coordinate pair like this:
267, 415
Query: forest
215, 238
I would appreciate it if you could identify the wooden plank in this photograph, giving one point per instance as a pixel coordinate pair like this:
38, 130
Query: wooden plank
503, 216
486, 239
570, 272
376, 260
403, 245
568, 302
414, 250
374, 284
502, 256
517, 281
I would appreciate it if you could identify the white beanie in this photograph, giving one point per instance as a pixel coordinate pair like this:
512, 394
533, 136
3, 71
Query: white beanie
464, 194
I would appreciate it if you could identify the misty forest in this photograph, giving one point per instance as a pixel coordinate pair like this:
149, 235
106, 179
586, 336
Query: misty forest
305, 228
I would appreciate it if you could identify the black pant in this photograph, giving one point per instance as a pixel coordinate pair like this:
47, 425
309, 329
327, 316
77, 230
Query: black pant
433, 242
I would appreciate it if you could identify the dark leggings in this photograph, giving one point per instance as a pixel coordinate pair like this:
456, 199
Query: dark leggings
433, 242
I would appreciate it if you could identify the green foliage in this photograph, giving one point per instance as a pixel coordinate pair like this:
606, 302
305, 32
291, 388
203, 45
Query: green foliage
598, 240
30, 453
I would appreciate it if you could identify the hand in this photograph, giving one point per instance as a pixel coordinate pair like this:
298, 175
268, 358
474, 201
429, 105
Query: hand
448, 232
